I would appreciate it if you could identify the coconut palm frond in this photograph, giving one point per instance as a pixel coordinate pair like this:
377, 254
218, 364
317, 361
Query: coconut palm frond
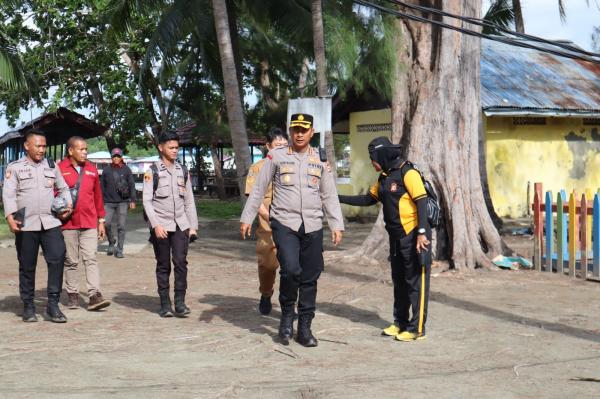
501, 14
11, 65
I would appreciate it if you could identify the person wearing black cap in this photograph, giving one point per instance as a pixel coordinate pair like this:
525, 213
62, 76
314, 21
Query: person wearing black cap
402, 193
118, 190
171, 211
302, 188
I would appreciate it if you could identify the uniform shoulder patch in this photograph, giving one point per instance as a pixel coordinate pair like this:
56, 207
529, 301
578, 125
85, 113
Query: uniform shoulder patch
148, 175
7, 174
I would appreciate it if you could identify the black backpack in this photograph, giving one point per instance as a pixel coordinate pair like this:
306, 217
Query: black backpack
434, 214
154, 170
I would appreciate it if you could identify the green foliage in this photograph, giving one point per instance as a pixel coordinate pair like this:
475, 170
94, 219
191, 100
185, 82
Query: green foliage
216, 209
11, 64
501, 13
360, 49
150, 65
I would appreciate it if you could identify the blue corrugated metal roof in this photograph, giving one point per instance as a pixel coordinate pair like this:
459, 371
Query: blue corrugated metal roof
520, 81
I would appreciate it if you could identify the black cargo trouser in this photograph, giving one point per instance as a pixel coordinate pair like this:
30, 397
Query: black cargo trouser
53, 247
300, 256
175, 246
410, 275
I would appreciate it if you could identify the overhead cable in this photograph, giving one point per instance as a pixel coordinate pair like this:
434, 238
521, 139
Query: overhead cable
484, 23
574, 54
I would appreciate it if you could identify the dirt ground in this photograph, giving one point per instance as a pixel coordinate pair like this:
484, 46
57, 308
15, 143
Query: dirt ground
490, 334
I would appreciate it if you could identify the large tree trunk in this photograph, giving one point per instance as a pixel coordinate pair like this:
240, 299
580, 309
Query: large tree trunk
435, 114
519, 23
321, 61
235, 111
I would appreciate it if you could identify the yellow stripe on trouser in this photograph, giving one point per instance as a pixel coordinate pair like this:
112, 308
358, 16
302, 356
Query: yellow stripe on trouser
422, 300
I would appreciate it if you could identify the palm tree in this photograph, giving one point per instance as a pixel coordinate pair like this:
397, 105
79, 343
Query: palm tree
321, 61
235, 110
505, 12
11, 65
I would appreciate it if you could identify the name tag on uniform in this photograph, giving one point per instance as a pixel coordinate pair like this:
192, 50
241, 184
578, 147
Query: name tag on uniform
314, 172
286, 169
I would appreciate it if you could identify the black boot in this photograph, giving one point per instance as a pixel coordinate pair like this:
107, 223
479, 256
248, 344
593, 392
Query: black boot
180, 309
265, 306
305, 337
286, 327
53, 311
29, 313
165, 306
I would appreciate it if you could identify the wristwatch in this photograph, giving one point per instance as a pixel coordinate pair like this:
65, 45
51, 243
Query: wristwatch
101, 220
421, 231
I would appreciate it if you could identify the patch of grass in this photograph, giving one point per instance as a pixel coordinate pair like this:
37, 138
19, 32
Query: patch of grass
4, 230
216, 209
210, 208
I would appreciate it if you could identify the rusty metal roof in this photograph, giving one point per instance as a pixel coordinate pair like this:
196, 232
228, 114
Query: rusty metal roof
520, 81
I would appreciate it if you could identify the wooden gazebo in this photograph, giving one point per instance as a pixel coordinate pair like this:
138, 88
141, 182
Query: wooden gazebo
58, 127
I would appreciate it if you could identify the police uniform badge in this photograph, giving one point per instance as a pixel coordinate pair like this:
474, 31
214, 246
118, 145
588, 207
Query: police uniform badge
49, 183
394, 187
148, 175
287, 178
7, 174
181, 181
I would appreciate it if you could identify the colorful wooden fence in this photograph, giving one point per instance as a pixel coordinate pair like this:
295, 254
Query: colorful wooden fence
567, 233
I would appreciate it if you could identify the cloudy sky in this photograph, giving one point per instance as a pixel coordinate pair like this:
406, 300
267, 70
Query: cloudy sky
541, 19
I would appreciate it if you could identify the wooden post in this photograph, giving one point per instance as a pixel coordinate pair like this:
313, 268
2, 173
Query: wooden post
549, 231
583, 228
565, 229
573, 236
537, 233
589, 198
596, 237
560, 234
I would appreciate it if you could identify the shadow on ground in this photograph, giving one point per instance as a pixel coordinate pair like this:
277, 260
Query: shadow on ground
241, 312
149, 303
458, 303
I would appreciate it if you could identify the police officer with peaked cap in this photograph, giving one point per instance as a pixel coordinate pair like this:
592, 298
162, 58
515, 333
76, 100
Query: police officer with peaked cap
302, 187
28, 196
171, 211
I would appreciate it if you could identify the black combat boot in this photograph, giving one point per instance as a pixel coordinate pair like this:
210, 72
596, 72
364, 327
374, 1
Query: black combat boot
265, 306
180, 309
29, 313
286, 327
305, 337
53, 311
165, 306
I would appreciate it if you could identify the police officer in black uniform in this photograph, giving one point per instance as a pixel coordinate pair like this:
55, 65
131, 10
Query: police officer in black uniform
402, 193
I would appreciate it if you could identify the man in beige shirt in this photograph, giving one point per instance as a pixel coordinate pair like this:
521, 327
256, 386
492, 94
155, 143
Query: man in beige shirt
266, 253
171, 211
302, 187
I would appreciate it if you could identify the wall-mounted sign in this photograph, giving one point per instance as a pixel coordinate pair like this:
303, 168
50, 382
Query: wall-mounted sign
374, 127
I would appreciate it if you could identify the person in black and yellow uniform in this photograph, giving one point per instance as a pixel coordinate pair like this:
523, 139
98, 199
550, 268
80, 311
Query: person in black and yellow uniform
404, 199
